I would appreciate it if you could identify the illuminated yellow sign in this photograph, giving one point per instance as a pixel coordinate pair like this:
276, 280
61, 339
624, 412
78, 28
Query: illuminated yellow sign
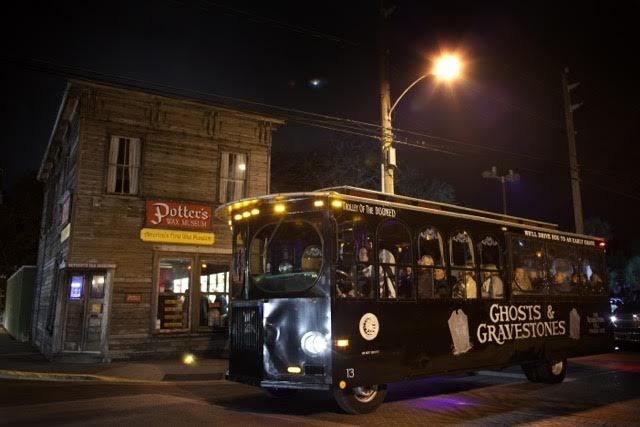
176, 236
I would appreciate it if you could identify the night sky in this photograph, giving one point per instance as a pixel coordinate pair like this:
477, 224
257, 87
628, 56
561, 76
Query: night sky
509, 101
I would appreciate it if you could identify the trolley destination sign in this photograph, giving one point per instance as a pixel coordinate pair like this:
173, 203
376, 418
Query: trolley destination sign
366, 209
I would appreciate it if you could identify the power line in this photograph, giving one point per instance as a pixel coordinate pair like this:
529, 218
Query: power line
327, 122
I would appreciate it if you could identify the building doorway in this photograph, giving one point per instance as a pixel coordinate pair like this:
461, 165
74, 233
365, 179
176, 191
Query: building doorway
85, 311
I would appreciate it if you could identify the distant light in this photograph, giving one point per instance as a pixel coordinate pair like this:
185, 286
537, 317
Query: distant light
237, 217
342, 384
246, 214
294, 369
539, 254
447, 67
230, 223
242, 166
616, 348
318, 203
504, 229
237, 205
204, 265
279, 208
315, 83
188, 359
614, 319
255, 211
602, 244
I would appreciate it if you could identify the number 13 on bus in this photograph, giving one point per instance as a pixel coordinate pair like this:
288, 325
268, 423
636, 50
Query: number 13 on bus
347, 290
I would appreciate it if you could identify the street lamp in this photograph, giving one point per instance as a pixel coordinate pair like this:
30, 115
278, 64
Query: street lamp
446, 68
510, 177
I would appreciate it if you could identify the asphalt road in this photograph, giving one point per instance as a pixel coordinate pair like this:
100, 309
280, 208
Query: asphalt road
599, 390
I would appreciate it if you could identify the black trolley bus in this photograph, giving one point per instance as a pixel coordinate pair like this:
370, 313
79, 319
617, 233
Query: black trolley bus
347, 290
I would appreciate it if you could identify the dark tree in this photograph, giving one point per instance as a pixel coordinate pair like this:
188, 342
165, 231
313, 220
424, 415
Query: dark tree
351, 161
20, 224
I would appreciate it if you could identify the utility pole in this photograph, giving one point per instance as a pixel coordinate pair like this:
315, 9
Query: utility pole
509, 177
573, 157
388, 154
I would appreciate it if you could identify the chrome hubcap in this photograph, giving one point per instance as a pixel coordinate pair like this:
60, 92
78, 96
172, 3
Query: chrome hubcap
365, 394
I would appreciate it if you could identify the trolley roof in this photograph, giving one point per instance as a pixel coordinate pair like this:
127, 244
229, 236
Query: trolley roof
411, 203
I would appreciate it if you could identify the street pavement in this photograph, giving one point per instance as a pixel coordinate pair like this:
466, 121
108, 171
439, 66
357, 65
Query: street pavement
22, 361
602, 390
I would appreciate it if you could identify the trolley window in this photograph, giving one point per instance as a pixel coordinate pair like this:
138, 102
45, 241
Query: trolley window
430, 255
491, 268
593, 272
465, 283
354, 264
395, 257
285, 257
528, 272
563, 269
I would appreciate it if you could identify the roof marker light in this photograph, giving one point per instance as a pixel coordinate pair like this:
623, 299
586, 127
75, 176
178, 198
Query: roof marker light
255, 211
246, 214
279, 208
336, 203
237, 217
318, 203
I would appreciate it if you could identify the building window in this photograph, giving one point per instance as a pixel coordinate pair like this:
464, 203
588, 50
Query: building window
174, 290
214, 295
233, 173
124, 165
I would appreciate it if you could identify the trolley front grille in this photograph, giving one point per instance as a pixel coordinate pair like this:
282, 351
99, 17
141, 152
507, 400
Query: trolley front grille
245, 358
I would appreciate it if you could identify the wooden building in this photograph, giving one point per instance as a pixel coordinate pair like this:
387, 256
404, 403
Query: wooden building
131, 261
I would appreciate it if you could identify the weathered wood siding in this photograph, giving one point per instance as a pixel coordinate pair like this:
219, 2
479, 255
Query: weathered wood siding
181, 143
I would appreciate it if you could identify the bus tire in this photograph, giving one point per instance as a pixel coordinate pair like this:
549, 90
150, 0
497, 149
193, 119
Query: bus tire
280, 393
531, 371
360, 400
552, 372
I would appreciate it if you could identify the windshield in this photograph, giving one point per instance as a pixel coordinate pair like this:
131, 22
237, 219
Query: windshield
285, 256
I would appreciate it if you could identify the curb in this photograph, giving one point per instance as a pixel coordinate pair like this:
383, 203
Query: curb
55, 376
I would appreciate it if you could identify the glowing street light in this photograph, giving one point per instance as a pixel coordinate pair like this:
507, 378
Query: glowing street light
447, 68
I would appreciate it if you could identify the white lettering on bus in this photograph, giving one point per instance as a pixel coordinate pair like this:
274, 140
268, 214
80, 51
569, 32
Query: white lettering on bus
511, 322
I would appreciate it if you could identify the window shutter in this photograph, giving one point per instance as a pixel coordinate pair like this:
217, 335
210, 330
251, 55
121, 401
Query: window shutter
112, 165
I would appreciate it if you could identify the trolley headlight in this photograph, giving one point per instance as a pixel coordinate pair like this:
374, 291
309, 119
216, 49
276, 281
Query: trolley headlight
614, 319
313, 343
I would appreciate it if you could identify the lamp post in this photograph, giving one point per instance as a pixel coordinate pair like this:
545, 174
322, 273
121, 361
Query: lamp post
446, 68
509, 177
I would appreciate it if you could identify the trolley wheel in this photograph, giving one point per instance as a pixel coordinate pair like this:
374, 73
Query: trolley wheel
360, 400
531, 371
552, 371
280, 393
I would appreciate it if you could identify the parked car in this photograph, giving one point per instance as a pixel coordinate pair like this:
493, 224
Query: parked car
626, 319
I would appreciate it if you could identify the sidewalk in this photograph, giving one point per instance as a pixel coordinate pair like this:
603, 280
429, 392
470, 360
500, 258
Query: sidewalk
22, 361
